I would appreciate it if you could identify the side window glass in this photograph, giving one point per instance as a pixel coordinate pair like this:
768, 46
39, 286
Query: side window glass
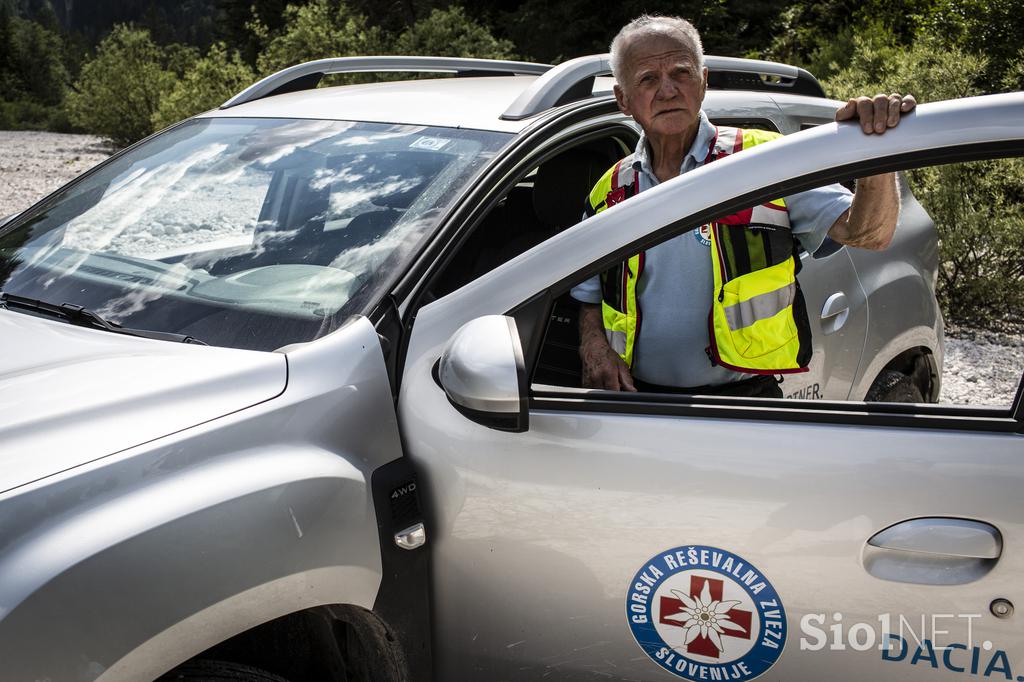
936, 317
547, 199
978, 209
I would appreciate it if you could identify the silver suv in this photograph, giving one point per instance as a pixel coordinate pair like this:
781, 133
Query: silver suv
290, 391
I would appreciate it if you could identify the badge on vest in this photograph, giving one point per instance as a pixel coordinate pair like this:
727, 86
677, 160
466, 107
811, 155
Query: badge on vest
616, 196
703, 613
703, 235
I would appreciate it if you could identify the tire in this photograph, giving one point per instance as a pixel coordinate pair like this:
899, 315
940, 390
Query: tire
894, 387
218, 671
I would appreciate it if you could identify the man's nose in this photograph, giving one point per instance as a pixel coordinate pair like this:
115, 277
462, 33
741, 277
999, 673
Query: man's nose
666, 87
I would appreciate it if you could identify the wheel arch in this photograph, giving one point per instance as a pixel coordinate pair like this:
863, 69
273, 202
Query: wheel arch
128, 586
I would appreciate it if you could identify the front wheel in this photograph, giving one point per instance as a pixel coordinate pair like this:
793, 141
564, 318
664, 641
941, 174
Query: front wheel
218, 671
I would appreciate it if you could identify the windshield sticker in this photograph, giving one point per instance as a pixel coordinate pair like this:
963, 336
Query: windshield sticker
434, 144
704, 613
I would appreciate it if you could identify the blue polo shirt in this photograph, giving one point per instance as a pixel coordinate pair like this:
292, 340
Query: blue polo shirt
675, 289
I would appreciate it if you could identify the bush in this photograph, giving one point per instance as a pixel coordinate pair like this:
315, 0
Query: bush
318, 30
1013, 79
33, 78
978, 208
210, 81
927, 69
451, 33
36, 67
991, 26
119, 90
23, 114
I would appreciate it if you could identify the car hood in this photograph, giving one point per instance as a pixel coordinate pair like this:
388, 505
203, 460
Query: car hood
70, 395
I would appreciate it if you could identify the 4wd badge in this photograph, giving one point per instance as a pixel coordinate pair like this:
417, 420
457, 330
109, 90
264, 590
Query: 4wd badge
703, 613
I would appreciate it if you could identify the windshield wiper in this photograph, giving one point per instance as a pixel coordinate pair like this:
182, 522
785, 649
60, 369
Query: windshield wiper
83, 317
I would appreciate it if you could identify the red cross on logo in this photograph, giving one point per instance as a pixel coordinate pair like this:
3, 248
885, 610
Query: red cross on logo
703, 646
616, 196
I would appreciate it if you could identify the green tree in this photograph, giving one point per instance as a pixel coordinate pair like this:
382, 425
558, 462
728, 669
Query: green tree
318, 30
236, 18
989, 26
33, 77
928, 69
209, 82
1013, 79
119, 90
555, 31
451, 33
978, 208
37, 64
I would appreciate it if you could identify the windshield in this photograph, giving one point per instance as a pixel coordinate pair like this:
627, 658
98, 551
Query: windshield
248, 233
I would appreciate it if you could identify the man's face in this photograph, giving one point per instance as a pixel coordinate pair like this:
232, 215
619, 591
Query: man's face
661, 86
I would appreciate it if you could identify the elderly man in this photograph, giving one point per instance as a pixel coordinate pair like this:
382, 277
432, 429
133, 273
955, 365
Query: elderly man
741, 268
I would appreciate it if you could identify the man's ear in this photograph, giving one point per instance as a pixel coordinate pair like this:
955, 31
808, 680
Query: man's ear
704, 83
620, 99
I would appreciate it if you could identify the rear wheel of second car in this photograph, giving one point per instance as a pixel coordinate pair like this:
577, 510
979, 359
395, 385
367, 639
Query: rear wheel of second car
894, 387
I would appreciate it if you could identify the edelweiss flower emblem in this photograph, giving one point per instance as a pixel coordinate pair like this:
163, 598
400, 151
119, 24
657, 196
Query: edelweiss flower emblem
705, 617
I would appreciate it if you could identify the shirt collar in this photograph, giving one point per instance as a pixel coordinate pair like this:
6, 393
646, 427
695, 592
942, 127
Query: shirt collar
698, 150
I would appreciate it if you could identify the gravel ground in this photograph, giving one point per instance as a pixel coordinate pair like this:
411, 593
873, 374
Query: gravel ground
34, 164
981, 368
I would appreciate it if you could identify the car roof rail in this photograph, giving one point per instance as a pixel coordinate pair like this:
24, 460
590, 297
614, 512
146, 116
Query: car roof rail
308, 75
574, 80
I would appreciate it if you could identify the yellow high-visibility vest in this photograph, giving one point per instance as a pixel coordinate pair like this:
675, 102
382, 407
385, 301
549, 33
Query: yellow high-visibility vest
757, 320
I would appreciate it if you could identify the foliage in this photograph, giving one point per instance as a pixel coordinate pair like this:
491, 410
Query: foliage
1013, 79
119, 90
555, 31
819, 34
324, 29
33, 78
928, 70
990, 26
37, 62
978, 208
237, 18
210, 81
318, 30
451, 33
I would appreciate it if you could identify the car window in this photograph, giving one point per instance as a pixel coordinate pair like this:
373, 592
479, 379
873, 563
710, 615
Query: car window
747, 123
249, 233
544, 199
937, 317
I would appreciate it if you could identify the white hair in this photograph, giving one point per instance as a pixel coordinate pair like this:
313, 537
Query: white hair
652, 24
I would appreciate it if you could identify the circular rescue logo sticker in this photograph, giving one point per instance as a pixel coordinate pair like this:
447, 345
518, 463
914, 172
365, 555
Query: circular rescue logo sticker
703, 235
703, 613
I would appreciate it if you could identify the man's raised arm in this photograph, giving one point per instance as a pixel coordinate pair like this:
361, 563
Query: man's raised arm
871, 220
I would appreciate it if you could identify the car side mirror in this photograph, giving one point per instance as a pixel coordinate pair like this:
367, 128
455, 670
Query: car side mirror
483, 373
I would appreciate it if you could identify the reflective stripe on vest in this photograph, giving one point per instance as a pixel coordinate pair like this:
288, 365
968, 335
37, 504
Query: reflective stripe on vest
758, 322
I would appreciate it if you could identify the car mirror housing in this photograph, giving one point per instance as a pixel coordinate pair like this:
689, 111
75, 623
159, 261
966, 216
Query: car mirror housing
483, 373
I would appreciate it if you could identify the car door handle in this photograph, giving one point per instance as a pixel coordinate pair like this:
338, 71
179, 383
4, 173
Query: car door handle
934, 551
834, 313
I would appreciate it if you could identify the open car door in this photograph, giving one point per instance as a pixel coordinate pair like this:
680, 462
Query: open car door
589, 534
